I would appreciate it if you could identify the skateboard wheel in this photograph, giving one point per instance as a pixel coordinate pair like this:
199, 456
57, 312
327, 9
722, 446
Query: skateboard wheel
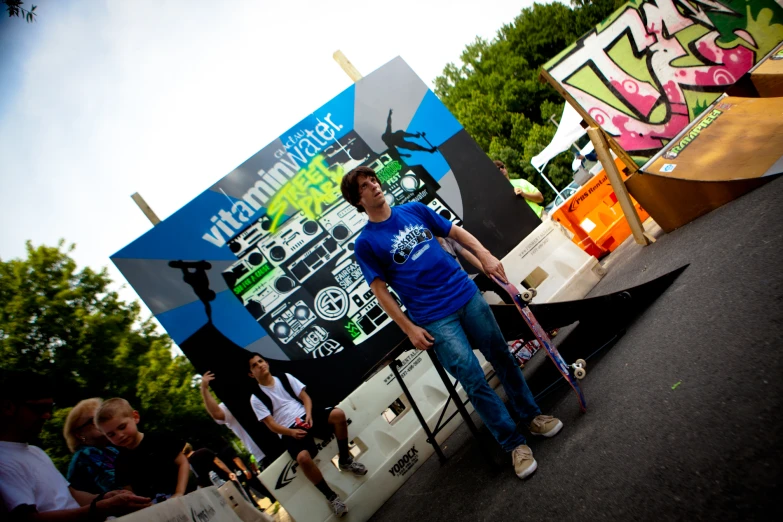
533, 291
580, 373
527, 296
581, 363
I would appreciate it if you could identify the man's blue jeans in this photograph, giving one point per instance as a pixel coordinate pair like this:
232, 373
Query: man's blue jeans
474, 326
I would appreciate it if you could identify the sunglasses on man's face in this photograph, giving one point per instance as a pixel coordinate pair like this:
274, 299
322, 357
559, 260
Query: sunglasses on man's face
39, 407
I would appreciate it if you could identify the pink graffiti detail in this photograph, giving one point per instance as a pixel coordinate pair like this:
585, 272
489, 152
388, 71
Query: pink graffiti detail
600, 116
636, 135
735, 62
630, 91
672, 90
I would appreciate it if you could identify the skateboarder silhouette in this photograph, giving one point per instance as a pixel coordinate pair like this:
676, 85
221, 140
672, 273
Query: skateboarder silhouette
395, 140
194, 273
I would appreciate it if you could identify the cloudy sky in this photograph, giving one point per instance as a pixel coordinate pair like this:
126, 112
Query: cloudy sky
103, 98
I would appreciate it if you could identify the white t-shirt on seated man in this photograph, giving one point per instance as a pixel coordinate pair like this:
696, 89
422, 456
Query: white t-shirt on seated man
28, 477
286, 408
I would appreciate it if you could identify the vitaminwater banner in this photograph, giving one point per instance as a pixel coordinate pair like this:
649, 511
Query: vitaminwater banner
263, 261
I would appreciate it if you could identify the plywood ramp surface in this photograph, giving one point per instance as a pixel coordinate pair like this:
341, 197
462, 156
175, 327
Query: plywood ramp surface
737, 138
673, 202
767, 76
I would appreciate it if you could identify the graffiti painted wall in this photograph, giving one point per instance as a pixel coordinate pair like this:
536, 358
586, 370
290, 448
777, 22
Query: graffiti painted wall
653, 66
262, 261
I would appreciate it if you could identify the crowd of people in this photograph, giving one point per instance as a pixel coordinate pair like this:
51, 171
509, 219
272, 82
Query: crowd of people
117, 468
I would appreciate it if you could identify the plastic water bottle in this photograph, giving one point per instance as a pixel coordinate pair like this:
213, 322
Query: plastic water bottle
216, 480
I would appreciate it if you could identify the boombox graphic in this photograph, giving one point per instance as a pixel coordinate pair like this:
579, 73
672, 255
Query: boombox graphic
291, 237
289, 320
343, 221
240, 244
442, 209
302, 283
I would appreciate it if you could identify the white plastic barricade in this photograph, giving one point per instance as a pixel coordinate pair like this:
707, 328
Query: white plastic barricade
550, 262
202, 505
391, 445
387, 436
242, 507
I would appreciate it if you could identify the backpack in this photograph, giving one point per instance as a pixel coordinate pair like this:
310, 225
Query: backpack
266, 400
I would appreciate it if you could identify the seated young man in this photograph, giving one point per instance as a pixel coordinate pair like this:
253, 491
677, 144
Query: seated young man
286, 408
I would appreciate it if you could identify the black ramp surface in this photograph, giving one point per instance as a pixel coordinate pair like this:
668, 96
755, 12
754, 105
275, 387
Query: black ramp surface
709, 449
609, 312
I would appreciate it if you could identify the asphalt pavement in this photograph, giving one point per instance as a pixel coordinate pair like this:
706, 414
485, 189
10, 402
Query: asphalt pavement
708, 449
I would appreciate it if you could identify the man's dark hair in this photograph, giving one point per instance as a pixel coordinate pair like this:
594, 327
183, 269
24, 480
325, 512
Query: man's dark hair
19, 386
263, 397
350, 185
253, 355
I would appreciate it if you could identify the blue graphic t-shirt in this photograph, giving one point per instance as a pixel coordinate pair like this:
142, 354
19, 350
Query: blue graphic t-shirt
404, 253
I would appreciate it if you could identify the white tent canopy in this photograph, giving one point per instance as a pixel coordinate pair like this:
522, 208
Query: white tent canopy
567, 133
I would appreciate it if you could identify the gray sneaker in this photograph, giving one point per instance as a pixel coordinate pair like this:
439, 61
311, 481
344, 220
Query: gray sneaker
357, 468
338, 507
524, 463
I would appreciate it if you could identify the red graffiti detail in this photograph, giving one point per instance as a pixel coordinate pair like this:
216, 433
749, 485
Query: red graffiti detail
598, 115
630, 139
630, 91
673, 92
706, 50
735, 61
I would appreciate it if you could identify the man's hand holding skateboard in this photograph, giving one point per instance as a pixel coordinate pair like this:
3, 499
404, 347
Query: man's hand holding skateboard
492, 266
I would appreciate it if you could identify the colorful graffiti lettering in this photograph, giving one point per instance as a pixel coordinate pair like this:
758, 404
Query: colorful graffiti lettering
311, 190
653, 66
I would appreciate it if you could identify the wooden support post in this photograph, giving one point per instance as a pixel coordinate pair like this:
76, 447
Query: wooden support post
352, 72
605, 157
154, 219
621, 153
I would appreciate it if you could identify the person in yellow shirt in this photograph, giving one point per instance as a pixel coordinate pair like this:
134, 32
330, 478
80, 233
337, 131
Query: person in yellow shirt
525, 189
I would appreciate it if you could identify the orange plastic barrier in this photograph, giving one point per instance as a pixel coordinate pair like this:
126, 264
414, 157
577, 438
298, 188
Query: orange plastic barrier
595, 217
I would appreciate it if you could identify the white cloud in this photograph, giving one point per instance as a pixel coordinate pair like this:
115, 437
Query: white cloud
165, 98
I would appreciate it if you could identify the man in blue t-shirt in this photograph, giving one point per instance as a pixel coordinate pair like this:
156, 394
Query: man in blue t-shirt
399, 247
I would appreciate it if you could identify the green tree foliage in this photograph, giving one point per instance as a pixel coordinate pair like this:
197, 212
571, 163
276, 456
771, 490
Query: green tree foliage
496, 93
69, 325
14, 8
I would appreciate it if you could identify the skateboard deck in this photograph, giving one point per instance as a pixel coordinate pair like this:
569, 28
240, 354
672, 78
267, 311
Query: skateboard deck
543, 340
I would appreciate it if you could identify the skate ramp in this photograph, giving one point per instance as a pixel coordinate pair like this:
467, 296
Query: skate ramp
767, 76
735, 146
648, 70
